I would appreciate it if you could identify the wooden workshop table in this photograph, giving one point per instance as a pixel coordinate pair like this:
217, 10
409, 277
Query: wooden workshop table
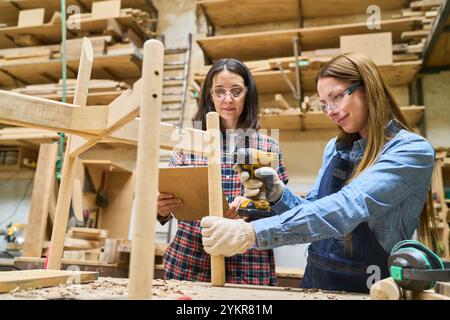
113, 288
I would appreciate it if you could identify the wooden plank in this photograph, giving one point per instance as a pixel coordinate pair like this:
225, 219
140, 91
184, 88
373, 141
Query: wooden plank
396, 74
50, 32
36, 112
317, 120
246, 12
273, 44
215, 191
32, 279
40, 197
124, 67
31, 17
324, 8
195, 199
442, 288
439, 56
117, 216
87, 233
377, 47
69, 164
142, 254
107, 165
106, 9
24, 136
79, 244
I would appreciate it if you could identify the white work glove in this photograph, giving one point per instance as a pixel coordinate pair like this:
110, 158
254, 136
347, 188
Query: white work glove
274, 186
227, 237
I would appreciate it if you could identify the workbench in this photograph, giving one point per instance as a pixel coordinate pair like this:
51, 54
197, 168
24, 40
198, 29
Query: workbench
114, 288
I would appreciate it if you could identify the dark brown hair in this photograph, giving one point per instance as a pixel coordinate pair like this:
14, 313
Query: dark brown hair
249, 116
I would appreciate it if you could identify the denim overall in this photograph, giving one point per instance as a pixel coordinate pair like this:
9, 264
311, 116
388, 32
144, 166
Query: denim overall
343, 264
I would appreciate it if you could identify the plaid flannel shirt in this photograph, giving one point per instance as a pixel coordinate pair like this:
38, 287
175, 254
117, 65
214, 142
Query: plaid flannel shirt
185, 258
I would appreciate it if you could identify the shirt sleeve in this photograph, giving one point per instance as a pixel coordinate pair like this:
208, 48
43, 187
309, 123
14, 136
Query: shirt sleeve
289, 200
395, 176
176, 159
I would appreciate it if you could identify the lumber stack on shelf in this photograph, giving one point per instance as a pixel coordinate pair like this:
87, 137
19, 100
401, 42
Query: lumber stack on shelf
415, 40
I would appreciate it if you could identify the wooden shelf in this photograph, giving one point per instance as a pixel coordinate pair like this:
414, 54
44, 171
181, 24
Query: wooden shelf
439, 56
245, 12
17, 158
331, 8
106, 165
273, 44
318, 120
397, 74
50, 32
222, 13
124, 67
10, 9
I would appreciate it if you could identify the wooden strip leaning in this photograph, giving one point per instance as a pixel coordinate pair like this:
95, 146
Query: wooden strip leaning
69, 164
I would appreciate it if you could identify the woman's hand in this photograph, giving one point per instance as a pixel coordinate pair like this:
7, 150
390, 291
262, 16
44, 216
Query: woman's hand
167, 204
232, 211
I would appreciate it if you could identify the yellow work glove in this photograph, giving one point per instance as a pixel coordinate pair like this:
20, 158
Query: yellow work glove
227, 237
274, 186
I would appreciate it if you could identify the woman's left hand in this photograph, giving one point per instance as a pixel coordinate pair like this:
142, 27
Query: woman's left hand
231, 213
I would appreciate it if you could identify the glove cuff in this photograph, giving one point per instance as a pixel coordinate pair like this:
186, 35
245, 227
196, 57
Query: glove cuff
250, 236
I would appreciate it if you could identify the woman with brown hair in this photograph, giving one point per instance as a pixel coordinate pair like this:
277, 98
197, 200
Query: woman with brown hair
368, 194
230, 90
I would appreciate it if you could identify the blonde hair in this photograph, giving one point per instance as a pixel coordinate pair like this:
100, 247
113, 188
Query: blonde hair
356, 67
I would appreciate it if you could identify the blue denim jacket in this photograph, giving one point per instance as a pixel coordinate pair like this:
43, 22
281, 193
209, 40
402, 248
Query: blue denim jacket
389, 195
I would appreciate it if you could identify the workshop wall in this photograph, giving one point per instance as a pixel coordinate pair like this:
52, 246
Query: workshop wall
436, 88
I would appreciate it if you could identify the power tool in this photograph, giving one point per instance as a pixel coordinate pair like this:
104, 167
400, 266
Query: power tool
249, 160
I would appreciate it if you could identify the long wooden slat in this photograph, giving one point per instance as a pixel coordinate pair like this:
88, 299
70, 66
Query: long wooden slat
397, 74
245, 12
318, 120
147, 171
189, 140
33, 279
37, 112
120, 66
50, 32
69, 164
273, 44
40, 199
215, 191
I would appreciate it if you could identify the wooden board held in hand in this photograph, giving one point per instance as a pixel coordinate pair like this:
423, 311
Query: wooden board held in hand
190, 184
33, 279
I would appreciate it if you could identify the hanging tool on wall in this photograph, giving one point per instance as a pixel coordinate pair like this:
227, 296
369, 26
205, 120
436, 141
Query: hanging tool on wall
101, 199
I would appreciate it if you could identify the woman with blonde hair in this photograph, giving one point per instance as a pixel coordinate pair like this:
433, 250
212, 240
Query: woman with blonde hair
368, 194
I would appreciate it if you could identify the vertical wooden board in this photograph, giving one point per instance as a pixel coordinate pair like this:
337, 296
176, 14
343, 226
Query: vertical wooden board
40, 198
31, 18
106, 9
116, 217
215, 190
377, 46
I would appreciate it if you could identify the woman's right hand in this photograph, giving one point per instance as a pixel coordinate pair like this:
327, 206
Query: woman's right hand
167, 204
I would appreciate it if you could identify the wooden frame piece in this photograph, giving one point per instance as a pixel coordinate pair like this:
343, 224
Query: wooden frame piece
118, 123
